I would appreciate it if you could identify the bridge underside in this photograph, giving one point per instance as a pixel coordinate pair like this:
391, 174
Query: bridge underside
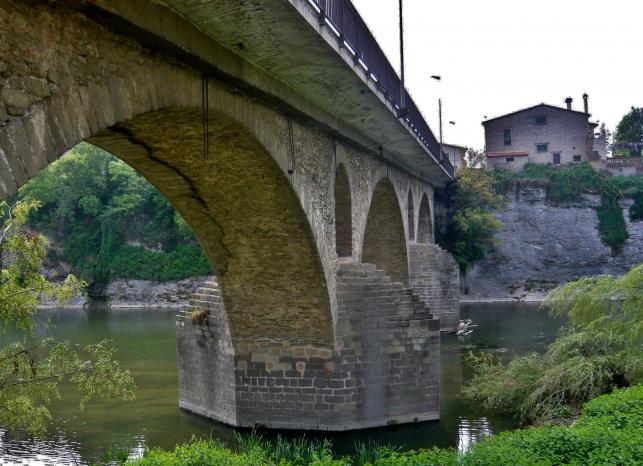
329, 293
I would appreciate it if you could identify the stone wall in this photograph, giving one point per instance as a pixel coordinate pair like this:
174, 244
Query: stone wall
541, 245
435, 277
384, 369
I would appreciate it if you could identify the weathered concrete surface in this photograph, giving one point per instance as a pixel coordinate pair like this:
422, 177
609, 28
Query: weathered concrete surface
261, 202
542, 245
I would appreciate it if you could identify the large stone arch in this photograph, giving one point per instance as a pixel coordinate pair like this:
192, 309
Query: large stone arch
343, 213
384, 238
74, 80
425, 221
245, 214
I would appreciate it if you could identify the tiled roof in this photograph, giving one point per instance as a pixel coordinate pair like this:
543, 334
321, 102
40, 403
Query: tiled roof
536, 106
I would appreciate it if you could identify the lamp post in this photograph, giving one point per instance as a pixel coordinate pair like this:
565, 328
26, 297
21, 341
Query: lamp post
438, 78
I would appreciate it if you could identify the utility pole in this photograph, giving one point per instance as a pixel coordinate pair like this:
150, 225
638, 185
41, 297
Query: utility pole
440, 112
402, 110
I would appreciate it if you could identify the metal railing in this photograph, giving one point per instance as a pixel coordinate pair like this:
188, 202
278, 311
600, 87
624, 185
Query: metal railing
352, 33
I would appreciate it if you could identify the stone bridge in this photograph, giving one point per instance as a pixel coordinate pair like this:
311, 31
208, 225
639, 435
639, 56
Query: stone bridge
309, 187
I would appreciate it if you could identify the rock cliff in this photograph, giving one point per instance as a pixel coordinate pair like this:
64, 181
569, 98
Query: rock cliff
542, 245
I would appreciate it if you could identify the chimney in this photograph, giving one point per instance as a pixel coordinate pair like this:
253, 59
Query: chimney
586, 103
568, 101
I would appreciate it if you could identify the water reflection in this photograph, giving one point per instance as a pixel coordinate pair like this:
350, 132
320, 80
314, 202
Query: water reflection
147, 347
470, 431
56, 450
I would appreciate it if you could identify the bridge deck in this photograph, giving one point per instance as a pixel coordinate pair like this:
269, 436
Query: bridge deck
307, 53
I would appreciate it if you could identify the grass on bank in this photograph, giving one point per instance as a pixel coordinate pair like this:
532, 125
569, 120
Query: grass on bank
610, 431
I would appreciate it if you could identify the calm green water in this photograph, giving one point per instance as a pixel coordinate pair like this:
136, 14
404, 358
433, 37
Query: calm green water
147, 347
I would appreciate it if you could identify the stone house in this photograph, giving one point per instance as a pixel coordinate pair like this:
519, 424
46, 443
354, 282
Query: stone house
456, 155
539, 134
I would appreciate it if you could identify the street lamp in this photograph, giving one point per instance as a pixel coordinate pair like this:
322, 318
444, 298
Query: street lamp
438, 78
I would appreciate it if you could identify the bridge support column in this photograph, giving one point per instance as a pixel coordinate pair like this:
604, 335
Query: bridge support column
435, 277
384, 369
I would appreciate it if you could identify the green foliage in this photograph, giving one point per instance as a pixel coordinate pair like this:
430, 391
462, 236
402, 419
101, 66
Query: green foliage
608, 432
187, 260
611, 223
111, 222
470, 223
31, 369
589, 442
600, 350
473, 231
563, 183
630, 128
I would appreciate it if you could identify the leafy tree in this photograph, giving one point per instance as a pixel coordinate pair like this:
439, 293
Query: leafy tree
470, 222
32, 369
110, 221
630, 128
601, 349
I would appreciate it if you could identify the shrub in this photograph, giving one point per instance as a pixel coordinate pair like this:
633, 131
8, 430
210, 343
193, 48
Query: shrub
470, 223
601, 350
611, 223
608, 432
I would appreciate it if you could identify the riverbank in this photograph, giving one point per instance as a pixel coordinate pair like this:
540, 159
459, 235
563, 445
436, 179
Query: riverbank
535, 299
140, 294
608, 432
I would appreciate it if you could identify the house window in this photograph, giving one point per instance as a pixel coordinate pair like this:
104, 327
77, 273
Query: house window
507, 137
540, 120
556, 158
509, 159
577, 158
541, 147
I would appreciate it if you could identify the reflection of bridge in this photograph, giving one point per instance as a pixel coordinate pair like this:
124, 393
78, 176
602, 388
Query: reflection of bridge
312, 200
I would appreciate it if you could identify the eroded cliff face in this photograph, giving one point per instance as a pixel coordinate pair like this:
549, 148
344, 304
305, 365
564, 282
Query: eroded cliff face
542, 245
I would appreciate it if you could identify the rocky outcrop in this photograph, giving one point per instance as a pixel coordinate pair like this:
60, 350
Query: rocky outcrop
143, 293
542, 245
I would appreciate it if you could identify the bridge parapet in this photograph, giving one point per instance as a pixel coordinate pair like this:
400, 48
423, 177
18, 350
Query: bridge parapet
353, 33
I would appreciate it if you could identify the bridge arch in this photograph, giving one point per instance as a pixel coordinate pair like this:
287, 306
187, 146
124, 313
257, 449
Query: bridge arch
343, 213
236, 198
425, 221
410, 208
384, 237
147, 110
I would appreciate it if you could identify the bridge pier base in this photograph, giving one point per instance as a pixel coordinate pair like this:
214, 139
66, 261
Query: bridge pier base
383, 370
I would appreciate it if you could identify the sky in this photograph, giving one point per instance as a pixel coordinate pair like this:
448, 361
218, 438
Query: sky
498, 56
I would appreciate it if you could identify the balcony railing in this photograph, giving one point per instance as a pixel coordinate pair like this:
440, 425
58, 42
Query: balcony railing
352, 33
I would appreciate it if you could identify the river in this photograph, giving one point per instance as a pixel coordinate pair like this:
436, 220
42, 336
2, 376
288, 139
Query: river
147, 347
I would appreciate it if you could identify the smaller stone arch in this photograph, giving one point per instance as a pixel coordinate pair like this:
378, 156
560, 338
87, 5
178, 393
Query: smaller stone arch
384, 238
410, 208
343, 213
425, 221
